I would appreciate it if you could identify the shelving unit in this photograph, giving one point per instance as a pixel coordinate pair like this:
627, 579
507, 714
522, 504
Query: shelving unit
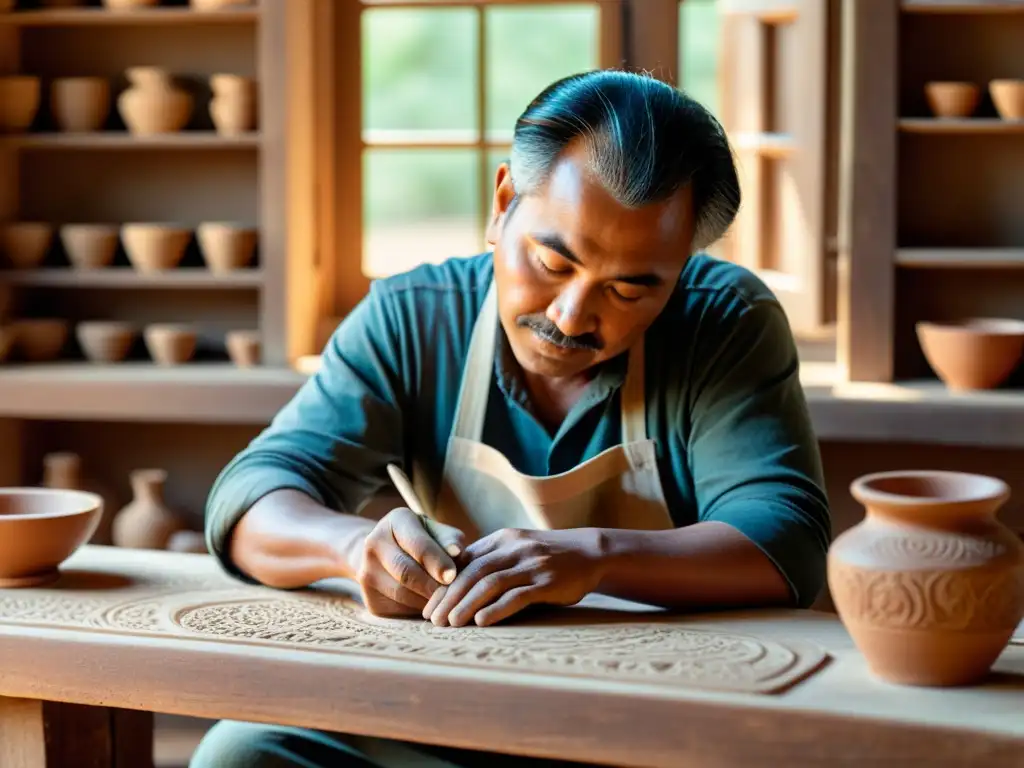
932, 227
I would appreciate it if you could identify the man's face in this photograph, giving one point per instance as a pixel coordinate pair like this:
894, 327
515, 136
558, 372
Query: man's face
579, 276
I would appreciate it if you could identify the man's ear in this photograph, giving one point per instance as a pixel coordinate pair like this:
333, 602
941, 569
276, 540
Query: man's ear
501, 203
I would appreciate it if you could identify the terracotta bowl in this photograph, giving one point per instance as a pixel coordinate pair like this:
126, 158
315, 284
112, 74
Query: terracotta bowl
1008, 97
105, 341
8, 335
170, 344
90, 246
80, 104
952, 99
41, 340
243, 348
226, 247
978, 353
20, 96
40, 528
26, 243
154, 247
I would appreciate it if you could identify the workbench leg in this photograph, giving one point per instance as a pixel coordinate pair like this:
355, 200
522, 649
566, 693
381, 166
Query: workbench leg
47, 734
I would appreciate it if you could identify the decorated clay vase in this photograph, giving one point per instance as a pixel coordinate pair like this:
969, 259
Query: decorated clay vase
80, 104
147, 522
233, 106
63, 469
930, 585
153, 104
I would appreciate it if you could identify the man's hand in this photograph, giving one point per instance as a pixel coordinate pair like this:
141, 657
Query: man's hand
404, 563
512, 569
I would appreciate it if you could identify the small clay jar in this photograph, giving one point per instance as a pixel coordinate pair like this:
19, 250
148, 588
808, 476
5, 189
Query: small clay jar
170, 344
63, 470
146, 522
80, 104
952, 99
25, 243
930, 585
153, 104
233, 106
243, 348
1008, 98
226, 247
105, 341
20, 97
154, 247
41, 340
90, 246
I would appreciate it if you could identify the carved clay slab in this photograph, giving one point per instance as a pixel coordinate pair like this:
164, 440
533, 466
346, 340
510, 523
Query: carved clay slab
600, 645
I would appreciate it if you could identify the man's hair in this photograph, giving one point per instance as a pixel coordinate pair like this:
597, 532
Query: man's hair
645, 141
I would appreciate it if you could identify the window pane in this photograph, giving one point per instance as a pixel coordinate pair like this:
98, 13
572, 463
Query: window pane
421, 205
529, 48
419, 70
698, 56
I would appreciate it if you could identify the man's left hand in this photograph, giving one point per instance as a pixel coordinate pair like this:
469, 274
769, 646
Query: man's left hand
512, 569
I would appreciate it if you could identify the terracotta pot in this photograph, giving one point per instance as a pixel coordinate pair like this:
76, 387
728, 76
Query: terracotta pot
105, 341
80, 104
146, 522
930, 585
26, 243
40, 528
1008, 97
90, 246
41, 340
8, 337
952, 99
226, 247
978, 353
63, 470
153, 104
128, 5
20, 96
154, 247
170, 344
187, 541
243, 348
233, 106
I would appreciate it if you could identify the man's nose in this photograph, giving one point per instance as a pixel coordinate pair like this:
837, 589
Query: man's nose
572, 311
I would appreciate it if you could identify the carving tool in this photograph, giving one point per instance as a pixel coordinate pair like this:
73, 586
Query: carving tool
413, 501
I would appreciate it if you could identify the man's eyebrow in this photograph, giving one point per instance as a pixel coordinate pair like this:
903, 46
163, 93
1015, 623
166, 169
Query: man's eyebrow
556, 244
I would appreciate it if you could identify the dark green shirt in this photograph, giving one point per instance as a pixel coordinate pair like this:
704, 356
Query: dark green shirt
724, 402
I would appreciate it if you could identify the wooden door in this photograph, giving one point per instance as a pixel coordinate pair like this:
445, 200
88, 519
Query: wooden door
773, 80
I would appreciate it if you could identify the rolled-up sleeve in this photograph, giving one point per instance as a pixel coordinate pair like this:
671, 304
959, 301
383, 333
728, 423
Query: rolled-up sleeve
753, 454
333, 440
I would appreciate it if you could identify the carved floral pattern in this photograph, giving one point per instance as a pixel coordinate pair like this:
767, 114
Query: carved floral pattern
934, 549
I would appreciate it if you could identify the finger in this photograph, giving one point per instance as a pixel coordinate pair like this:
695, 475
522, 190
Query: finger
381, 582
486, 591
464, 582
452, 539
406, 571
509, 604
415, 539
436, 598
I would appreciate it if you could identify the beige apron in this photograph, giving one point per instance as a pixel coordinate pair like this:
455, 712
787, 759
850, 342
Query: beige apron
482, 492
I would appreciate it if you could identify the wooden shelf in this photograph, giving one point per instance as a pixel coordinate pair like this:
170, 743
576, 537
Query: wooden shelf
65, 17
124, 140
197, 393
126, 277
961, 258
962, 6
974, 126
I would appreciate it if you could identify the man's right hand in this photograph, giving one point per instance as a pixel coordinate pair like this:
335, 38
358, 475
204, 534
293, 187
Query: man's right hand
405, 559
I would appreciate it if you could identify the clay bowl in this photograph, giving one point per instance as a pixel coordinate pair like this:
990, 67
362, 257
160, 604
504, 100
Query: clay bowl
1008, 97
978, 353
170, 344
105, 341
952, 99
80, 104
40, 528
90, 246
243, 348
226, 247
26, 243
41, 340
8, 335
154, 247
20, 96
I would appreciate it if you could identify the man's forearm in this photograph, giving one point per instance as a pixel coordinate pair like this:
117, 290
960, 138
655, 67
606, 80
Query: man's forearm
706, 565
287, 540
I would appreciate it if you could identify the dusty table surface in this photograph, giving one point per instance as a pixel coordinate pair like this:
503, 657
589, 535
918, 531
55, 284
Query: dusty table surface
608, 681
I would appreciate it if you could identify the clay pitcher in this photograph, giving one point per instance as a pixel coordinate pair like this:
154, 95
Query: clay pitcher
147, 522
930, 585
63, 470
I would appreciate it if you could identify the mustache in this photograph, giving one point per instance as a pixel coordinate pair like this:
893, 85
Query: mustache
548, 331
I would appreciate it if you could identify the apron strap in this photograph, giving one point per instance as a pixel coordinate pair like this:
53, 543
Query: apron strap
633, 399
471, 406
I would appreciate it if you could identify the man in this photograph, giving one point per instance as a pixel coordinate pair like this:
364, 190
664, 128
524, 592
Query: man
594, 376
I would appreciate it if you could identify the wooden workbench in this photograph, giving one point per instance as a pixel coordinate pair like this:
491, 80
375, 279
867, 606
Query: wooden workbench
127, 632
